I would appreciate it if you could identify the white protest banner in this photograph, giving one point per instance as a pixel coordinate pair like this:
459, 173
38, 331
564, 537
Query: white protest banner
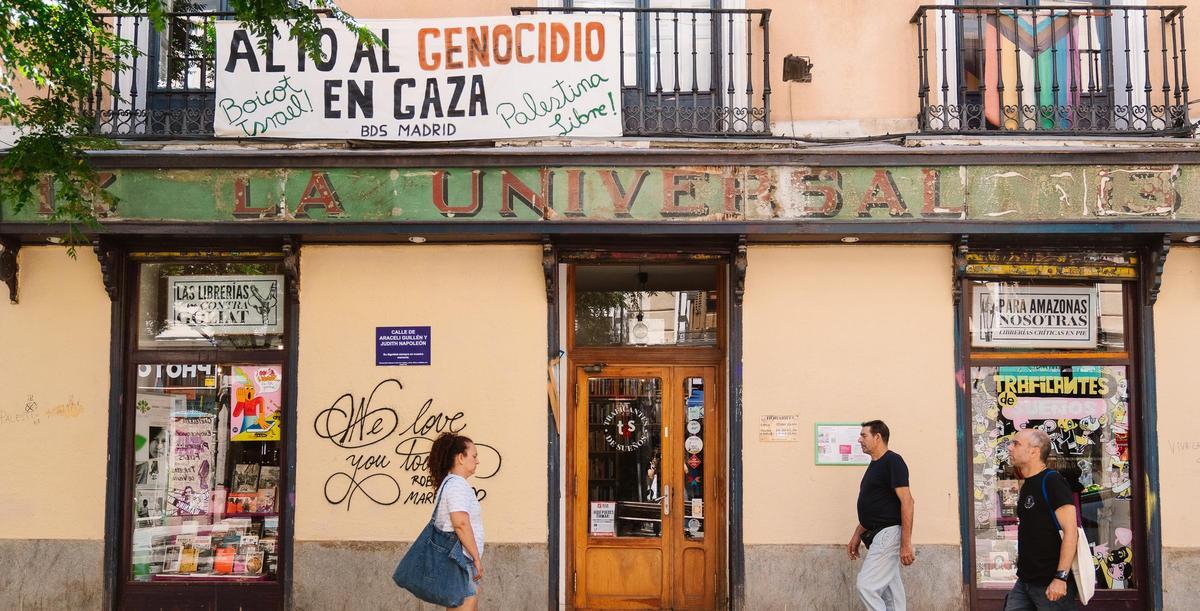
430, 80
223, 305
1034, 317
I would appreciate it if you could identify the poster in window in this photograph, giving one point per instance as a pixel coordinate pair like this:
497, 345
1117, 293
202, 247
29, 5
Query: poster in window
255, 396
193, 447
1054, 317
200, 307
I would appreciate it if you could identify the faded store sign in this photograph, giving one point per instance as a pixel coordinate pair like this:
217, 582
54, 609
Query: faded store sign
671, 194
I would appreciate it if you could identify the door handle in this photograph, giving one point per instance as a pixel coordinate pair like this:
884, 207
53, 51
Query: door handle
667, 500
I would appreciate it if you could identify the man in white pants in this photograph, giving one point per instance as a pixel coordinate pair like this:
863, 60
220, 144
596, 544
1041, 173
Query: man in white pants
885, 521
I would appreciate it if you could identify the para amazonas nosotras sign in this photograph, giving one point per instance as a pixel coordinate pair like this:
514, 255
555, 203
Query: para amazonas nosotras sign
668, 194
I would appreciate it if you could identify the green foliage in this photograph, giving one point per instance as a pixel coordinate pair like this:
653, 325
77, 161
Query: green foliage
65, 49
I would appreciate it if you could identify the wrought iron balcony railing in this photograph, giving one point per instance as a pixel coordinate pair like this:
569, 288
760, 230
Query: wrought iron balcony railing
691, 72
166, 90
1063, 67
701, 72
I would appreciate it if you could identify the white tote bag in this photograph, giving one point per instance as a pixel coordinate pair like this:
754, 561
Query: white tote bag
1081, 565
1083, 568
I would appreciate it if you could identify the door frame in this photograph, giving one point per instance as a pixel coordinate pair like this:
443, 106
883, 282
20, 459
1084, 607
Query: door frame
632, 356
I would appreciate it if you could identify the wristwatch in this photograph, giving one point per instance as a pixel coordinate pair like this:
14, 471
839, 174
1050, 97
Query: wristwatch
1063, 575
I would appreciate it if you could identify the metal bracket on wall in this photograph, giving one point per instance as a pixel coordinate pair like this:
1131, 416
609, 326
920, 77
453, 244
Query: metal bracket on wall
739, 271
291, 268
1157, 259
109, 258
9, 267
961, 247
549, 262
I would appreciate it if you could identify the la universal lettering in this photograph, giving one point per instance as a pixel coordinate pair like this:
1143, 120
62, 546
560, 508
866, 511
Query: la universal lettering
462, 79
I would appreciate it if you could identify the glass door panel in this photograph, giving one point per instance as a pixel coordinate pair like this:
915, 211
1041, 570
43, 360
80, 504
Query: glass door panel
626, 488
693, 446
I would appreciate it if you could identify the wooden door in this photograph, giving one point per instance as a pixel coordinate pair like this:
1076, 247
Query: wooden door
647, 463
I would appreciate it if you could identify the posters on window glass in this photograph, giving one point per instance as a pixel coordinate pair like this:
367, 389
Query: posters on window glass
255, 397
1054, 317
193, 448
152, 451
604, 517
1084, 409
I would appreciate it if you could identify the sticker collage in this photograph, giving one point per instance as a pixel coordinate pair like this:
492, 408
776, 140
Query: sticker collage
1085, 412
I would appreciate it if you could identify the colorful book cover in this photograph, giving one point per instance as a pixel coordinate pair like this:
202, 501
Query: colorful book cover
254, 563
245, 478
239, 564
188, 556
223, 560
257, 393
241, 502
270, 526
264, 501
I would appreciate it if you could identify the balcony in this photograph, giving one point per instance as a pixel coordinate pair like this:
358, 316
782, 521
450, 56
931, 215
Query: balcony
684, 72
690, 72
1070, 68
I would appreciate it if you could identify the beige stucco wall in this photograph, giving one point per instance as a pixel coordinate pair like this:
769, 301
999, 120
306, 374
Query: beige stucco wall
845, 334
487, 309
1177, 335
54, 382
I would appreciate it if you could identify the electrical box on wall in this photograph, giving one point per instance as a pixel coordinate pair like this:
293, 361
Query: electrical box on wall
797, 69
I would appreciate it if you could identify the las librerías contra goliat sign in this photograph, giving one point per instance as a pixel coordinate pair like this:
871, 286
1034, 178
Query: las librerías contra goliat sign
205, 306
428, 80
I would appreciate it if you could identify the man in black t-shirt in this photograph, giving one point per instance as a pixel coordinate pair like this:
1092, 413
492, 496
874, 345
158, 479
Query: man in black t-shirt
1044, 580
885, 519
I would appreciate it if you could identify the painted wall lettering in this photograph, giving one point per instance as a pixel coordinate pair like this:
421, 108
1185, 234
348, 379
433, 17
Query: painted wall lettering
388, 438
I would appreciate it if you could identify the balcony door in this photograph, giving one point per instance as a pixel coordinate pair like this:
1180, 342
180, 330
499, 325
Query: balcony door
685, 65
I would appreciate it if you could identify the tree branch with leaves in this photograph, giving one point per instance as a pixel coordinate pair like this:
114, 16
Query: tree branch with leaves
58, 60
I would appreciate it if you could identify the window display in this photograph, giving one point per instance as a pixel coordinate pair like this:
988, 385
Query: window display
206, 444
1083, 408
207, 472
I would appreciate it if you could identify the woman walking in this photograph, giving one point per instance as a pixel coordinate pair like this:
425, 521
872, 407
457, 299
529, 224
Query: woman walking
451, 461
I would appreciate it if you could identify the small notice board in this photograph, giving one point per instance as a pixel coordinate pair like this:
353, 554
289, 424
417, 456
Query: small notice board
837, 444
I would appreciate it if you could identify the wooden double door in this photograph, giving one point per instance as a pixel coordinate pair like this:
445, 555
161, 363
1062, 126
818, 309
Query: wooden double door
647, 488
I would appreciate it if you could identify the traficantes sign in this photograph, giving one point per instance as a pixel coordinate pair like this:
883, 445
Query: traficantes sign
478, 78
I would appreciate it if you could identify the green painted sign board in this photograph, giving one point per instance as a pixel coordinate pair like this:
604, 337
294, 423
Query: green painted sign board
665, 194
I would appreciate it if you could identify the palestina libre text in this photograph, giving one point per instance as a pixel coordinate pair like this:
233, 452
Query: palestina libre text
438, 49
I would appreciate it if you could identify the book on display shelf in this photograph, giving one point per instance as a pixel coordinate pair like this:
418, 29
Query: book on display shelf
245, 477
264, 501
268, 477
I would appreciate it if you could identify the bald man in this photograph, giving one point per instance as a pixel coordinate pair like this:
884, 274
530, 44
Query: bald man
1044, 580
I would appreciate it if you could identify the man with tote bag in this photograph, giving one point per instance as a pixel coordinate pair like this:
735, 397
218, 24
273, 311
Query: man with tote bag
1048, 574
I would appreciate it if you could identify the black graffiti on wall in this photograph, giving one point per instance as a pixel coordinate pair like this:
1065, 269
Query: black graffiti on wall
389, 441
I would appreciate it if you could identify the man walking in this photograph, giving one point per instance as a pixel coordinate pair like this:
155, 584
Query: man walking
885, 522
1044, 580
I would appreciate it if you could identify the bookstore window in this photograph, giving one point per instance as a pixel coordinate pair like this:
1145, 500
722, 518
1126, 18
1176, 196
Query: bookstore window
206, 442
1051, 353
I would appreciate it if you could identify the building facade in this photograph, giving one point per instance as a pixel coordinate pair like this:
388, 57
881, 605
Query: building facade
964, 219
